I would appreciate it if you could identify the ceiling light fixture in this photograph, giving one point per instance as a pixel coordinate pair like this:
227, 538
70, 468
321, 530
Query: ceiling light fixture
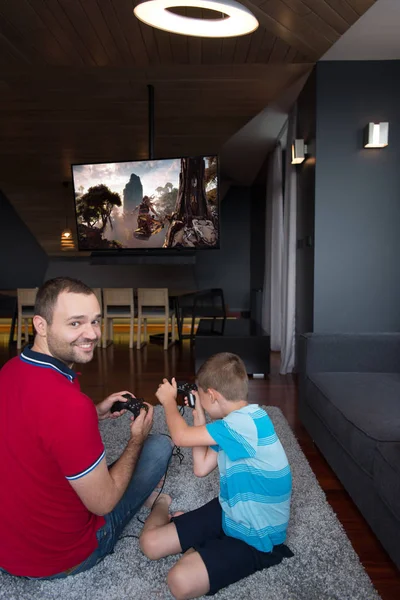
236, 19
376, 135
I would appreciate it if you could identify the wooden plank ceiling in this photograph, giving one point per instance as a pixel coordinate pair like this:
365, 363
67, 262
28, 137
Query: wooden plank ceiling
74, 77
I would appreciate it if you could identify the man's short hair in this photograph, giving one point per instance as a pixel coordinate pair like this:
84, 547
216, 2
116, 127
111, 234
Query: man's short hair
224, 372
48, 293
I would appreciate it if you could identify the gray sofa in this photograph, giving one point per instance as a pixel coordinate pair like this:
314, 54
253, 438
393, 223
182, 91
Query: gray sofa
349, 402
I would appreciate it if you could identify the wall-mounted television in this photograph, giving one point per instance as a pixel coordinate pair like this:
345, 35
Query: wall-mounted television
170, 204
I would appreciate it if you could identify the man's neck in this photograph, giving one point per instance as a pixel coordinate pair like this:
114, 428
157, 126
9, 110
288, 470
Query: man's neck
42, 347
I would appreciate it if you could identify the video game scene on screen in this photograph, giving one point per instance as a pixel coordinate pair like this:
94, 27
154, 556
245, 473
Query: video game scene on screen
168, 203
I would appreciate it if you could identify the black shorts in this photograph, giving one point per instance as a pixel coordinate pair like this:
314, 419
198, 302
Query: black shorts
226, 559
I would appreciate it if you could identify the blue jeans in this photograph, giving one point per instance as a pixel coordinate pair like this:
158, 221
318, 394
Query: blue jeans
152, 465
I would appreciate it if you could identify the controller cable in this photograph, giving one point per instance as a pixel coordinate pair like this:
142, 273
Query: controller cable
175, 452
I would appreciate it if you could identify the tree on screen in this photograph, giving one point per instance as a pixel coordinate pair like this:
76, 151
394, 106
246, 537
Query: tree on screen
210, 179
96, 205
166, 198
192, 200
193, 222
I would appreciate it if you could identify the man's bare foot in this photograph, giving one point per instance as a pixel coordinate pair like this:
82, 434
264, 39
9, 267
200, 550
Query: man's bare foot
159, 497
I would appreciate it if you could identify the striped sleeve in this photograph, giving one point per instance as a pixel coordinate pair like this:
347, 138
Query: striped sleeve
88, 470
236, 435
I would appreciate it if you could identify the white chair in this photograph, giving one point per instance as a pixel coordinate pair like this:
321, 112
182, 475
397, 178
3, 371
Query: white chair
153, 303
26, 304
118, 303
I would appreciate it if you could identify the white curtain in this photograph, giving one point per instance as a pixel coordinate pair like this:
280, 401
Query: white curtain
279, 301
289, 255
272, 291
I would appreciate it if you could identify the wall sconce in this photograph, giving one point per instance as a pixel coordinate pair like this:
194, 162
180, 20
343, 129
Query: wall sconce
299, 151
67, 241
376, 135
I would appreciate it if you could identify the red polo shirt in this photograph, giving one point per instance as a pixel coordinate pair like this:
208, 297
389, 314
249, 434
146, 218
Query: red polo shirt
49, 436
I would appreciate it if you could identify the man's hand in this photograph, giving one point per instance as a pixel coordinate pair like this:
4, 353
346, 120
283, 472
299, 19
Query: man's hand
141, 426
103, 409
167, 392
102, 488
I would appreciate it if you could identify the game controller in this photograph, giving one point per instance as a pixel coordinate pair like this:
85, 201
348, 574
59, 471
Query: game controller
187, 389
132, 404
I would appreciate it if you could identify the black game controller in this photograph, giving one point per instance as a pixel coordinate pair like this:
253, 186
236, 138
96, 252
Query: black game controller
132, 404
187, 389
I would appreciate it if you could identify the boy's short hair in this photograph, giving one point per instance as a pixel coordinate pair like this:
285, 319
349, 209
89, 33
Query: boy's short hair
48, 293
224, 372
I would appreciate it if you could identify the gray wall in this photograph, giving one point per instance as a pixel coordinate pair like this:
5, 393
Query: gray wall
23, 261
227, 268
306, 129
357, 199
258, 228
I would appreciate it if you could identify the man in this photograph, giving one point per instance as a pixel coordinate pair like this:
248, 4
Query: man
61, 509
145, 220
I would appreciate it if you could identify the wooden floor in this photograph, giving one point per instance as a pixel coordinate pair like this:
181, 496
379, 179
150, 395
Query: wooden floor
119, 368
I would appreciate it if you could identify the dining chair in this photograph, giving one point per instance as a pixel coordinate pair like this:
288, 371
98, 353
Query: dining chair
153, 303
118, 303
26, 298
202, 304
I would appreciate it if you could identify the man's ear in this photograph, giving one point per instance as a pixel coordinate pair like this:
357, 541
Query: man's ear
40, 325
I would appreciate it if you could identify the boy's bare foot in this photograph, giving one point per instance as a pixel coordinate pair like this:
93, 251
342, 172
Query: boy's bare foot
159, 497
150, 500
160, 483
178, 513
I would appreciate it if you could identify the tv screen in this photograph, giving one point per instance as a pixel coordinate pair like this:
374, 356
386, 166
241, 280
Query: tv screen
171, 203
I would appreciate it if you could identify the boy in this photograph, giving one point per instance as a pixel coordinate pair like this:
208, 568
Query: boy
243, 530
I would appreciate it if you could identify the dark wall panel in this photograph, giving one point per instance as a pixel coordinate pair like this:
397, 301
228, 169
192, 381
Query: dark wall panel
357, 206
306, 129
23, 261
229, 268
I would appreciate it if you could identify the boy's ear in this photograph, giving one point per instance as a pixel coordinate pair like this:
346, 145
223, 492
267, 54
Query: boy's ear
214, 395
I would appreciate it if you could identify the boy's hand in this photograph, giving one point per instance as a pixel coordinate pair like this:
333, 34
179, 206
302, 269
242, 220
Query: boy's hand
199, 416
167, 391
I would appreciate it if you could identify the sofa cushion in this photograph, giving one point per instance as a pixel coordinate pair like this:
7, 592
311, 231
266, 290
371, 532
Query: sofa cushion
387, 475
360, 409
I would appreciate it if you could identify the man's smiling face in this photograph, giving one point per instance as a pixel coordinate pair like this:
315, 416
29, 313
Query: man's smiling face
75, 329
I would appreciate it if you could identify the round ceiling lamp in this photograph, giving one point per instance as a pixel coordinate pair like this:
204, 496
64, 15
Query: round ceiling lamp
237, 19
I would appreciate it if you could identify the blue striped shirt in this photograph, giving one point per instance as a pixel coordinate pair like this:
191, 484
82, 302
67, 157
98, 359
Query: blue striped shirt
255, 477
